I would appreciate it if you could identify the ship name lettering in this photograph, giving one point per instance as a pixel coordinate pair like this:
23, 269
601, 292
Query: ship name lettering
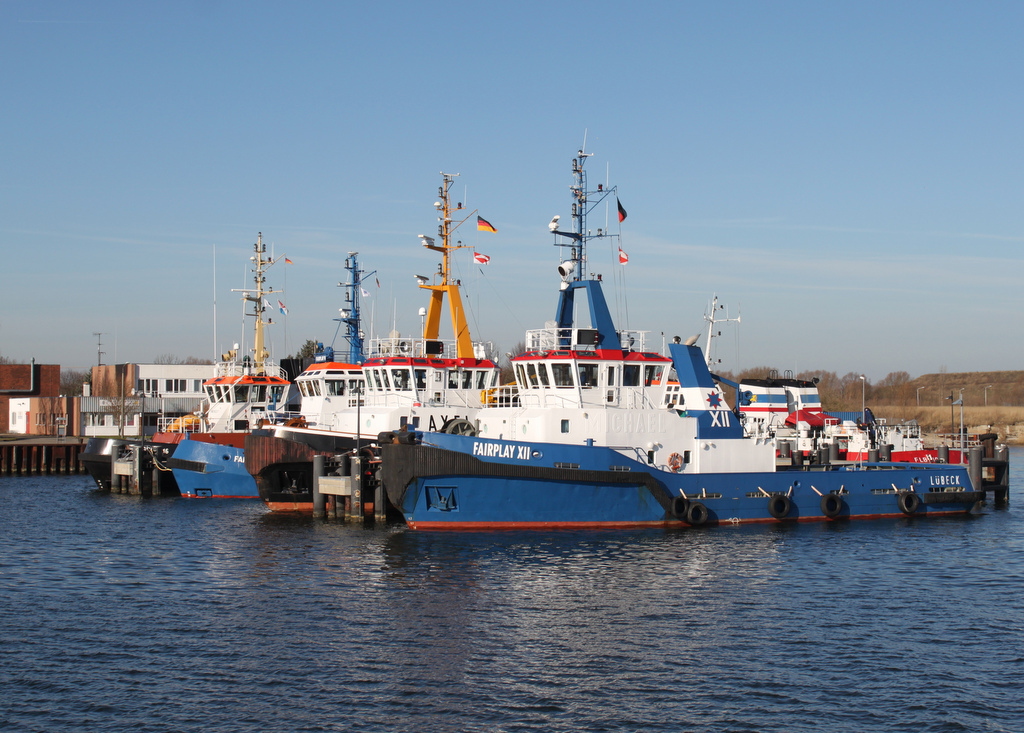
636, 423
945, 480
497, 450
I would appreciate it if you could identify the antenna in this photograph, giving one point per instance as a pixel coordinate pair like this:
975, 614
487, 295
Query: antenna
712, 319
99, 346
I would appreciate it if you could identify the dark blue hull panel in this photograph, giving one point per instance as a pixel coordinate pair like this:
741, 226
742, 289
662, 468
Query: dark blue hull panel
208, 470
436, 487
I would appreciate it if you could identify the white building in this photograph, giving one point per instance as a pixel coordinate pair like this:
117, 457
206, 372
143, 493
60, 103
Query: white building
123, 397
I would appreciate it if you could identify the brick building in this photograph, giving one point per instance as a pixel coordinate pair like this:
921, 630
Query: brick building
26, 380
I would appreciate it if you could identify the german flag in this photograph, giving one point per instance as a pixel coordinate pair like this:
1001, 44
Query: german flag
622, 211
483, 225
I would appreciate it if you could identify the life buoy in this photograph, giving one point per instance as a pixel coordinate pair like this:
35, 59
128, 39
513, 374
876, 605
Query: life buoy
679, 506
675, 462
779, 506
831, 505
909, 502
696, 514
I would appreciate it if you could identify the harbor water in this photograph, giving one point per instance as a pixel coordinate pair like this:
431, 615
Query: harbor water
120, 613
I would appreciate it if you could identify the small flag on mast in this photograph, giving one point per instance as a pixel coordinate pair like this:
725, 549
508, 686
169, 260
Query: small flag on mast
481, 258
623, 257
281, 307
288, 261
483, 225
622, 211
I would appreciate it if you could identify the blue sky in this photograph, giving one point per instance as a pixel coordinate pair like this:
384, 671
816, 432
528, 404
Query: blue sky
846, 177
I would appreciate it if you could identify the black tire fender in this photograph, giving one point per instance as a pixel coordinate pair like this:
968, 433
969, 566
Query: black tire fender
909, 502
831, 505
697, 514
779, 506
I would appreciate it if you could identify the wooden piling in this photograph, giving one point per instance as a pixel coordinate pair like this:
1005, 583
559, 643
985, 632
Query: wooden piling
40, 457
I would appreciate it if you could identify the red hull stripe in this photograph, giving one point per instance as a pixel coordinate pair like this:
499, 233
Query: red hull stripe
470, 526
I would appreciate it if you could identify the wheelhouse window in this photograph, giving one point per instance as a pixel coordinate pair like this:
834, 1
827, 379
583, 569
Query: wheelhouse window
402, 379
531, 372
631, 375
467, 379
588, 375
561, 375
542, 372
421, 378
335, 387
652, 374
241, 393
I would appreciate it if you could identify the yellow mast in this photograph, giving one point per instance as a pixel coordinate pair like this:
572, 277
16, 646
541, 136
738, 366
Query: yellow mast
432, 323
260, 353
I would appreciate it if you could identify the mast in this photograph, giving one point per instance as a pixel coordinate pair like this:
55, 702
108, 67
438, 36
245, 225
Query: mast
350, 315
257, 296
573, 269
712, 319
432, 323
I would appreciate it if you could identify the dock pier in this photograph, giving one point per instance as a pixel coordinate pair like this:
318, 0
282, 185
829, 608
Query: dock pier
350, 497
41, 456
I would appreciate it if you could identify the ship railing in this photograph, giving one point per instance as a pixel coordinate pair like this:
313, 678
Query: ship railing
276, 417
639, 399
247, 368
503, 396
182, 424
580, 339
961, 441
907, 430
424, 348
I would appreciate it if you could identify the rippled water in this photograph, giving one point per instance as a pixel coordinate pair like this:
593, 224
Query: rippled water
126, 614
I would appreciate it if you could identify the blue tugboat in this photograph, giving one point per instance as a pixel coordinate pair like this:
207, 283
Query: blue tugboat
601, 432
246, 392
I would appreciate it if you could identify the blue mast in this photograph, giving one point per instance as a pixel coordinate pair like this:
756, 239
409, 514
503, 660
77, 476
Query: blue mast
573, 269
350, 314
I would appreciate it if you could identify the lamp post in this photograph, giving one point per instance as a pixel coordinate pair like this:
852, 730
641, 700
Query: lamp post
987, 388
919, 396
963, 433
863, 404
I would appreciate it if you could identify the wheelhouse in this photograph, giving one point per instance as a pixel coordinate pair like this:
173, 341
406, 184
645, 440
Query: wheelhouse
428, 381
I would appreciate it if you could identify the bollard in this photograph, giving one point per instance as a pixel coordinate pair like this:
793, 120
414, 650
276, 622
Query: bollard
318, 498
785, 449
833, 452
355, 504
380, 512
873, 455
885, 453
974, 466
943, 454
